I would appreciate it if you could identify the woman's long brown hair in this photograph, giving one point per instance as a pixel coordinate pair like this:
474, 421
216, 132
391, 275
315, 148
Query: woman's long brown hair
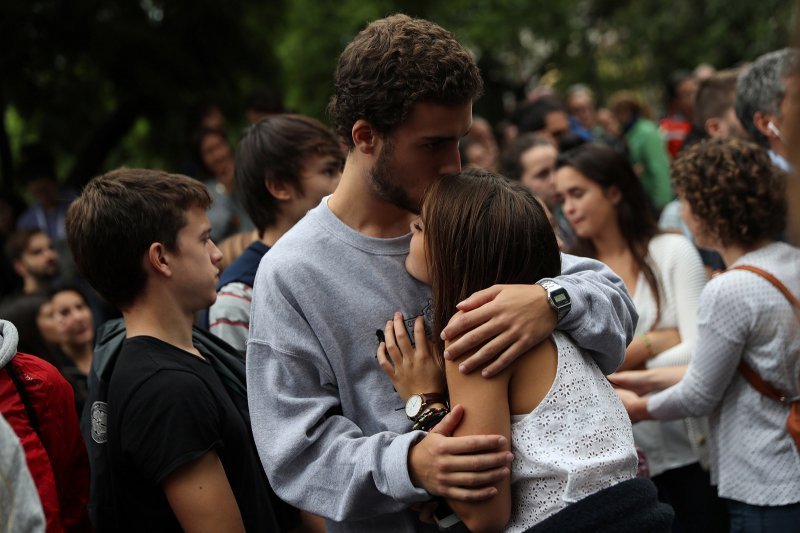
480, 230
608, 168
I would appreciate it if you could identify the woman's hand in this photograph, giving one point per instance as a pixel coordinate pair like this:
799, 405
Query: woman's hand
412, 370
635, 405
646, 381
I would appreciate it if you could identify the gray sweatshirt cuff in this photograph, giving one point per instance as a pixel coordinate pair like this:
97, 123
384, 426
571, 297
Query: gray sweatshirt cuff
396, 467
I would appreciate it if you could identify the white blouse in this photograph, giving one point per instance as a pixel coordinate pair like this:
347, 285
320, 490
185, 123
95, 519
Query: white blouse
742, 316
576, 442
681, 278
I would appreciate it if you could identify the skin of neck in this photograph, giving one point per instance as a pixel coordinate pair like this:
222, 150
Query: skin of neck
274, 232
80, 354
31, 285
609, 242
356, 203
155, 314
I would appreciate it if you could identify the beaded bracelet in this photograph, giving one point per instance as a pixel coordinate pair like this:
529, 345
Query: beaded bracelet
646, 341
430, 417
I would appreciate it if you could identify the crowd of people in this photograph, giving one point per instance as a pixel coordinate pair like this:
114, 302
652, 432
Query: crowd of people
418, 318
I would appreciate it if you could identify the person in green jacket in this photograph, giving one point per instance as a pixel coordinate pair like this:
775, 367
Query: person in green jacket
645, 147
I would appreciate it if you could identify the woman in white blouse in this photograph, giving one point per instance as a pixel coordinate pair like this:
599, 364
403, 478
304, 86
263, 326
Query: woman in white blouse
605, 203
734, 202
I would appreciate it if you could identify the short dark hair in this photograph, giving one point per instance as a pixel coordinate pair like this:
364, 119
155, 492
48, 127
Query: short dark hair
674, 81
734, 190
714, 97
275, 150
510, 160
19, 241
482, 229
532, 117
393, 64
116, 219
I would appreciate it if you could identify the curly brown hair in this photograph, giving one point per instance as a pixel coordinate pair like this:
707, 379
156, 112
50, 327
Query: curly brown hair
394, 63
737, 195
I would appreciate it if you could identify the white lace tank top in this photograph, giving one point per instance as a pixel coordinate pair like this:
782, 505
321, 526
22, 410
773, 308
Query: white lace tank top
577, 441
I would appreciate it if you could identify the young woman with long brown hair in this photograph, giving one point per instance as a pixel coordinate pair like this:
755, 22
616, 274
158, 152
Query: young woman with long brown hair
606, 205
563, 421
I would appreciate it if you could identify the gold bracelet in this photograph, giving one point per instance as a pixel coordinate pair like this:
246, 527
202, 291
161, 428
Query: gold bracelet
648, 345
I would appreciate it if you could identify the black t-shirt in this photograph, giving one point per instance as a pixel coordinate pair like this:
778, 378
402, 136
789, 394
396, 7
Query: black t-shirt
167, 408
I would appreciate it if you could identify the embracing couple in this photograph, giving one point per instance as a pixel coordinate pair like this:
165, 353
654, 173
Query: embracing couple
361, 419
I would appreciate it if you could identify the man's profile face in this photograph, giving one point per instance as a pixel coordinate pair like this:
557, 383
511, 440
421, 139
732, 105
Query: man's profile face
40, 259
195, 262
420, 150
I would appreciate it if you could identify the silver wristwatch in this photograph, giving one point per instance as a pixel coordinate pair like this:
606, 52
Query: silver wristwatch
557, 296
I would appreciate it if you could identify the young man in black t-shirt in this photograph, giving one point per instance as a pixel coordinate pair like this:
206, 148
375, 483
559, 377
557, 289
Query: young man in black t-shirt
180, 452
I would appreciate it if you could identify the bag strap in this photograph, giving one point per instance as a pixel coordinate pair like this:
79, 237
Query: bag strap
772, 279
33, 419
746, 370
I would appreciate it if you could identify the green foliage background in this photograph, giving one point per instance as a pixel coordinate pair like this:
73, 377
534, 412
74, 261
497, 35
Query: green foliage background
108, 82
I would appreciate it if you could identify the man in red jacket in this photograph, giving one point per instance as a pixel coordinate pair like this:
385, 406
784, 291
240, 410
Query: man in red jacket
39, 405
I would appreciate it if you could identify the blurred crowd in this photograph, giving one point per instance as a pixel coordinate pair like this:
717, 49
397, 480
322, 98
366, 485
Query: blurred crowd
666, 200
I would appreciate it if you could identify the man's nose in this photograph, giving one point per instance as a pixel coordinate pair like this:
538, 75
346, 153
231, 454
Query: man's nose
452, 162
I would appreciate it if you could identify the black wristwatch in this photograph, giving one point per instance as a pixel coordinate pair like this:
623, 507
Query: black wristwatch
416, 403
557, 296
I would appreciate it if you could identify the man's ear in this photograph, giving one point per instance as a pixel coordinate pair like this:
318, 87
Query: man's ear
280, 190
157, 259
712, 127
761, 122
364, 136
19, 268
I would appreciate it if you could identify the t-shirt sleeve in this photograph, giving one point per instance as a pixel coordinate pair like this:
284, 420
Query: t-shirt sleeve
169, 421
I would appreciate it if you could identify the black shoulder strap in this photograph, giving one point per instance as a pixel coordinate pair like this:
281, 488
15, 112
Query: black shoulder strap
23, 394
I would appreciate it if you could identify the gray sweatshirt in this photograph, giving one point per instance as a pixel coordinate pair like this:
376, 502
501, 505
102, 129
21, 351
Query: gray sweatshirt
330, 430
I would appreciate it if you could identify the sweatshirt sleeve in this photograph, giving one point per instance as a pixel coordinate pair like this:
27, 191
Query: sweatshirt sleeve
315, 458
602, 318
684, 281
722, 336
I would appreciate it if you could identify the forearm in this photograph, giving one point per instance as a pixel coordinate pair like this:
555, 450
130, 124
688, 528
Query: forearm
643, 348
301, 443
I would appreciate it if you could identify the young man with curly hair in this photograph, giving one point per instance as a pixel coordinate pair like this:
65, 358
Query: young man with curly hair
331, 432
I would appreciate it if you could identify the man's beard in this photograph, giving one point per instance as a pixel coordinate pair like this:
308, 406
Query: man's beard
385, 185
46, 275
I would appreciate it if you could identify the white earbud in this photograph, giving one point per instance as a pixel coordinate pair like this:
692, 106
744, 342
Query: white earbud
774, 129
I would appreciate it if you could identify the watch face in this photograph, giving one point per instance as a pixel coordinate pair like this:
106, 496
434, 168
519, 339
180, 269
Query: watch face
413, 406
560, 298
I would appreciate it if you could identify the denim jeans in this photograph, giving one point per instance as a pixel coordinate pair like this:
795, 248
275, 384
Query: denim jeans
746, 518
